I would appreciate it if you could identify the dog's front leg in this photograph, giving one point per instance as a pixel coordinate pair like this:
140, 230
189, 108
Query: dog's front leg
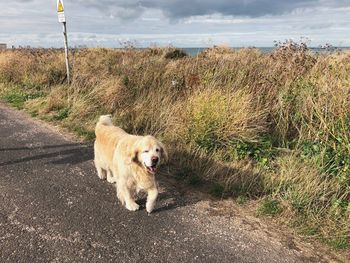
110, 177
125, 197
130, 204
151, 199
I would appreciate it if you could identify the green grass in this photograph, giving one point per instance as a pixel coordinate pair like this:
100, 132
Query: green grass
217, 190
62, 114
17, 96
241, 199
195, 181
270, 207
16, 99
189, 177
81, 131
340, 242
262, 152
34, 114
184, 173
310, 230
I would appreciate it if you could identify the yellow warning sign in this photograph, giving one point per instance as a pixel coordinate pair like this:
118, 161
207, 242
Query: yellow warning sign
60, 11
60, 7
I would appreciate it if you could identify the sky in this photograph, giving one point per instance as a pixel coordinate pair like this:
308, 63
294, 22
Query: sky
179, 23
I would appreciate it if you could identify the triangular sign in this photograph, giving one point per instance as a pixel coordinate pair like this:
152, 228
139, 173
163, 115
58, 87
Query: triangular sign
60, 6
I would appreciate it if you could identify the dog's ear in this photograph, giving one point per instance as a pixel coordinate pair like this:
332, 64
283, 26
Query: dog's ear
164, 152
132, 155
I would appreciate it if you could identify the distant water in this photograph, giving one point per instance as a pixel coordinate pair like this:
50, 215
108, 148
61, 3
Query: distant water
194, 51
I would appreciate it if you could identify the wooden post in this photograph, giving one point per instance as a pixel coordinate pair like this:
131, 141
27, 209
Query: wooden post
62, 19
66, 51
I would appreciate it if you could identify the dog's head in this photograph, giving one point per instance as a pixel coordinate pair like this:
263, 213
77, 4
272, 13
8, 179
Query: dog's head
149, 153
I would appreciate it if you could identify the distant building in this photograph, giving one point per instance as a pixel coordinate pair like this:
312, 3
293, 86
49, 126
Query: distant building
3, 46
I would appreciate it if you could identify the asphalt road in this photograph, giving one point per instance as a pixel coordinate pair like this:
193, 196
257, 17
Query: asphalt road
54, 208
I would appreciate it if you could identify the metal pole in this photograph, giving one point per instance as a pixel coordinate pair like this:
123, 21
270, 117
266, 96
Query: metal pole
66, 51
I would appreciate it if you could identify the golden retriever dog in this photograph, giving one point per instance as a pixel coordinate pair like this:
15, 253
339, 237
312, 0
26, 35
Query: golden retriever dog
128, 160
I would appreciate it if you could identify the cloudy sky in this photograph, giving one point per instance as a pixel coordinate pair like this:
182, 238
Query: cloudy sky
181, 23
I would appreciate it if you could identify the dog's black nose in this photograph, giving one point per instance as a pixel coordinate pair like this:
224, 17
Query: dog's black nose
154, 159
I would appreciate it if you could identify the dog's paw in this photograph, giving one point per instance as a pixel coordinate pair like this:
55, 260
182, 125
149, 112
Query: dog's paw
111, 180
132, 206
101, 176
149, 208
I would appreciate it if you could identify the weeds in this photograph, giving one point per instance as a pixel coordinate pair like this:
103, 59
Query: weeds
62, 114
217, 190
17, 97
270, 207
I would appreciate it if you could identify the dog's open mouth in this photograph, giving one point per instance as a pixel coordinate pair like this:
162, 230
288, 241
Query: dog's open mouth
152, 169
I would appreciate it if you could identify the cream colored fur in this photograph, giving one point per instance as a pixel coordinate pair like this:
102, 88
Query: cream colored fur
130, 161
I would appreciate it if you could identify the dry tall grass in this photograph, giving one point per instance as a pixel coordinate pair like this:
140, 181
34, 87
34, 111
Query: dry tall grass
268, 126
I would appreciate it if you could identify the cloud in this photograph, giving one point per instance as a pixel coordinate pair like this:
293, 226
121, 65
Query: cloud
251, 8
128, 9
176, 22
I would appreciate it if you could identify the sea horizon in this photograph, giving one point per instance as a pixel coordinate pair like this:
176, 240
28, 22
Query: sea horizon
193, 51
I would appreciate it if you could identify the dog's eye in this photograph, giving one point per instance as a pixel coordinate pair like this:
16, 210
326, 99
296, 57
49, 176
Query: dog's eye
157, 150
146, 151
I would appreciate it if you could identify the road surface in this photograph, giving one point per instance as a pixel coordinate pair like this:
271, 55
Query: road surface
54, 208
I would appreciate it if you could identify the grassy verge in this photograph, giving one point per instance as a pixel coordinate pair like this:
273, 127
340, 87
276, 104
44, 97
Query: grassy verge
269, 127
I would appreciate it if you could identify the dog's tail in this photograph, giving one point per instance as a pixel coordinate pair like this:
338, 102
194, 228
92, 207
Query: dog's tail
105, 120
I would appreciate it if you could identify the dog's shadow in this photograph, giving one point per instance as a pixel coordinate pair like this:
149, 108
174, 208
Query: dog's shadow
180, 189
165, 201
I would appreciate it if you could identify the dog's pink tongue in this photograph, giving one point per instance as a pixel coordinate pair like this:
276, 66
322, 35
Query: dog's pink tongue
151, 169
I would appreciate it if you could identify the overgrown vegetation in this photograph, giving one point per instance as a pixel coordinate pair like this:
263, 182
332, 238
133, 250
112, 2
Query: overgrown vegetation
272, 127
